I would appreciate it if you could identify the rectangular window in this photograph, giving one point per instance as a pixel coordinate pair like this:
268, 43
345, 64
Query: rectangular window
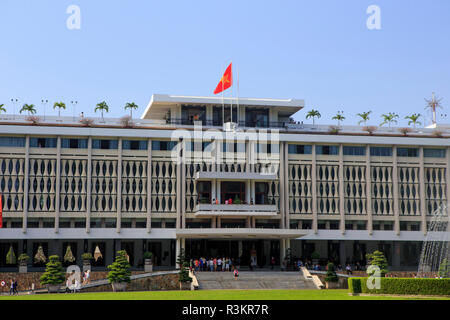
299, 149
381, 151
434, 153
104, 144
354, 151
388, 226
43, 142
74, 143
163, 145
134, 145
64, 223
16, 142
327, 150
196, 146
334, 225
80, 223
407, 152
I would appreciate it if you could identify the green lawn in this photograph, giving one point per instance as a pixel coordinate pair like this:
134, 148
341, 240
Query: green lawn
214, 295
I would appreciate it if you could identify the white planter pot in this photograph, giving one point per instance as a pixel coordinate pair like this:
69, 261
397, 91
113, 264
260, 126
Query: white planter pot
86, 266
23, 268
119, 286
54, 288
148, 265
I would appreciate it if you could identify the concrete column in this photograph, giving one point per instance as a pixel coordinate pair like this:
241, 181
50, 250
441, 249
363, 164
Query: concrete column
285, 159
395, 187
177, 253
119, 186
396, 255
89, 186
282, 250
183, 187
282, 191
423, 207
149, 186
218, 222
25, 184
369, 191
57, 183
218, 191
447, 177
342, 253
179, 182
314, 189
341, 189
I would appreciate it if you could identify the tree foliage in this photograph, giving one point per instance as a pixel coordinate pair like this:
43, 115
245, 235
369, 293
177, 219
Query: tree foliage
54, 273
40, 256
377, 258
68, 257
331, 273
444, 269
119, 269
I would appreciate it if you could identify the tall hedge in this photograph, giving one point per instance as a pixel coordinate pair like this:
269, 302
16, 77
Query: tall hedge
410, 286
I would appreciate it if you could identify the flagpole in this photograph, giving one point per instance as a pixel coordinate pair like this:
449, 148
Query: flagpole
231, 104
223, 105
238, 115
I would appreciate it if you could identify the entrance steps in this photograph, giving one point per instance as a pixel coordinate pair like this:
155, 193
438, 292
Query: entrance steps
253, 280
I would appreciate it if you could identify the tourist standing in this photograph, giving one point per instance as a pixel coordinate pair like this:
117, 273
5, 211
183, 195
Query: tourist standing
219, 264
11, 288
272, 262
236, 274
16, 285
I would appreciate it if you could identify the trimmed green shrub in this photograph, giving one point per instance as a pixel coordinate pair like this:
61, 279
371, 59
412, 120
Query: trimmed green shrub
331, 273
354, 285
119, 269
410, 286
148, 255
378, 259
86, 256
54, 273
24, 258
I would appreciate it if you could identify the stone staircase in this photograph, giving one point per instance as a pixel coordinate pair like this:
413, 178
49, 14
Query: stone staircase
253, 280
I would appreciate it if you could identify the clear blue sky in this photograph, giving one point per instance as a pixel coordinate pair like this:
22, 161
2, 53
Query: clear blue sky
320, 51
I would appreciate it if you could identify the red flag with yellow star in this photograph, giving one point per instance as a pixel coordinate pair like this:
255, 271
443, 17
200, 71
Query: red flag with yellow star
225, 82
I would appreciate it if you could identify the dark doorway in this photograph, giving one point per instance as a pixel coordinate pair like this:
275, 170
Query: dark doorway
155, 248
4, 249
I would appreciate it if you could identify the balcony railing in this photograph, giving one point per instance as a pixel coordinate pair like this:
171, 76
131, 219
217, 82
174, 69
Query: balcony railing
235, 209
216, 123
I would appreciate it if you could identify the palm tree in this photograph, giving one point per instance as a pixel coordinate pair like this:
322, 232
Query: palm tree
59, 105
28, 108
2, 108
364, 117
131, 106
389, 118
339, 117
413, 119
313, 114
102, 106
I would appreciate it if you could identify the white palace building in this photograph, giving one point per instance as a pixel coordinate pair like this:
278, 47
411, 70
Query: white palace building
188, 174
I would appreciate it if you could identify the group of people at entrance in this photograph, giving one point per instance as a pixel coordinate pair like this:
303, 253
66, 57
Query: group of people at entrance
214, 264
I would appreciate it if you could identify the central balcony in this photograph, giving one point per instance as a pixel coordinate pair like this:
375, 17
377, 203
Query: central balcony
235, 210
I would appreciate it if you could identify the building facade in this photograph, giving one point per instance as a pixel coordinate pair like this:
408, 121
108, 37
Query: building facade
259, 185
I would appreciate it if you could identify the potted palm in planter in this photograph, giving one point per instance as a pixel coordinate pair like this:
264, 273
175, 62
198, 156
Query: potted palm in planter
119, 274
148, 265
23, 263
54, 275
184, 279
86, 257
331, 280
